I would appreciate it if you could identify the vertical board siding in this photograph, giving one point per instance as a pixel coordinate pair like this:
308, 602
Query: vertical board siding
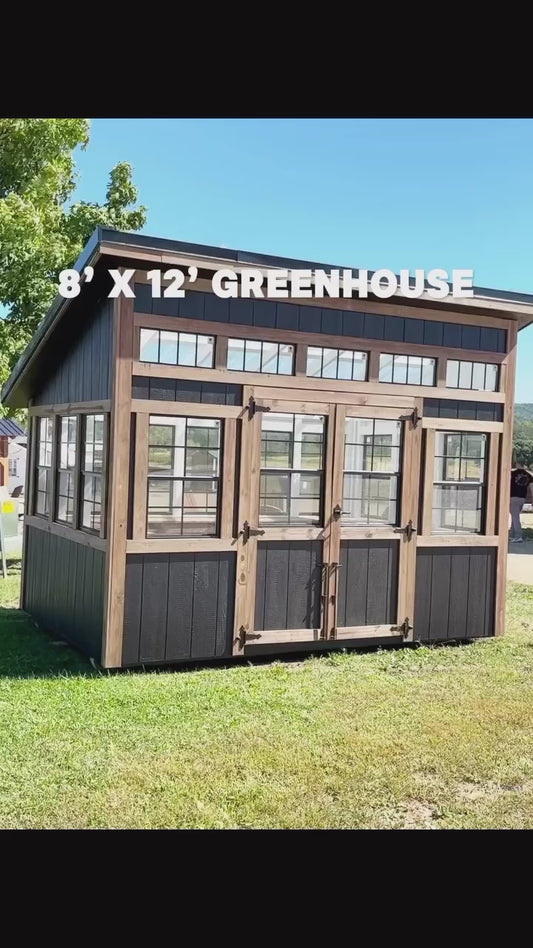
319, 319
454, 593
65, 588
82, 372
368, 583
185, 390
288, 585
178, 607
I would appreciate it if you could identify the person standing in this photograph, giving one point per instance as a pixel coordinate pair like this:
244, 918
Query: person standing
521, 481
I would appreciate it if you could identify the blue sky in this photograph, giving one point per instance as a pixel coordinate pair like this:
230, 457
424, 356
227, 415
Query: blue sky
397, 193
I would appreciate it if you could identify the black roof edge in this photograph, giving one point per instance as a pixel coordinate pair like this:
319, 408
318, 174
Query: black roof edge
131, 240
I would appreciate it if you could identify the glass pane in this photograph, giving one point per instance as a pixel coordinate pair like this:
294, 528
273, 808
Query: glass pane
252, 359
465, 375
168, 348
201, 462
149, 350
491, 379
414, 370
359, 366
399, 373
428, 371
474, 445
235, 354
187, 348
286, 359
314, 362
162, 459
329, 369
452, 374
205, 352
161, 434
269, 358
385, 368
369, 498
478, 376
88, 487
345, 364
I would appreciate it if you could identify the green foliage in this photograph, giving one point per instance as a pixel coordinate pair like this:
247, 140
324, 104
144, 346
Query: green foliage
523, 434
41, 230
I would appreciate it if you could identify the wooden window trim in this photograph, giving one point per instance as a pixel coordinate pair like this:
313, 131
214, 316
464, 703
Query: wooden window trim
488, 510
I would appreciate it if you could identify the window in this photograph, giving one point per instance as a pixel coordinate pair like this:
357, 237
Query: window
183, 476
459, 482
177, 348
12, 467
68, 433
251, 355
336, 364
45, 437
371, 471
406, 369
479, 376
92, 465
292, 461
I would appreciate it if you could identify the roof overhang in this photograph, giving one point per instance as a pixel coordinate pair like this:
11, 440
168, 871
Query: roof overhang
138, 249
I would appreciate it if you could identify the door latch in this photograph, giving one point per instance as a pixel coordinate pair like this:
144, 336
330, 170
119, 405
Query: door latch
404, 628
409, 529
249, 531
253, 407
337, 510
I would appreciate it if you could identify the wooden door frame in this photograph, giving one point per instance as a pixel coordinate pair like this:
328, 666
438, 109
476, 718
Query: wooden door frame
410, 484
250, 474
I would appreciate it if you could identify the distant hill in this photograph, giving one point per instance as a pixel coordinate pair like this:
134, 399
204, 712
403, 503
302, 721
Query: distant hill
524, 412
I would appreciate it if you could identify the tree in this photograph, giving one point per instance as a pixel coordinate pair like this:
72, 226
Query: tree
41, 231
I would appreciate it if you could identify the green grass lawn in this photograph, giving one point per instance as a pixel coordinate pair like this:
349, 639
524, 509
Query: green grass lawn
439, 737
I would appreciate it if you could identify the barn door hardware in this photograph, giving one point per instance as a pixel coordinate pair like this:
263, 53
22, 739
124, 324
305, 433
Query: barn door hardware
244, 636
409, 529
337, 510
415, 417
404, 628
253, 407
249, 531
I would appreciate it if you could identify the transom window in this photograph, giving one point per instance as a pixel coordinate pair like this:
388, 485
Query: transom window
406, 369
459, 482
66, 466
183, 476
479, 376
252, 355
371, 471
292, 462
177, 348
45, 437
336, 364
92, 464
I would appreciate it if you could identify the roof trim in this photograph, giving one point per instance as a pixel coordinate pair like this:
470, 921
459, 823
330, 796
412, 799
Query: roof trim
131, 241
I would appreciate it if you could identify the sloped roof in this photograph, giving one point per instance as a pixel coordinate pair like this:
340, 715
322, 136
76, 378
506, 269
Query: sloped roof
10, 428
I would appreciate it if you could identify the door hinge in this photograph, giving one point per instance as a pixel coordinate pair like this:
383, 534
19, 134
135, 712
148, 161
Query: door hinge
415, 417
404, 628
409, 529
244, 636
249, 531
253, 407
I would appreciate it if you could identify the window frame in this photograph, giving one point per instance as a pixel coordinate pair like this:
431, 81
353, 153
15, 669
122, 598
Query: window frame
72, 472
218, 477
37, 467
338, 351
373, 475
482, 486
261, 342
101, 532
290, 471
408, 356
473, 363
178, 333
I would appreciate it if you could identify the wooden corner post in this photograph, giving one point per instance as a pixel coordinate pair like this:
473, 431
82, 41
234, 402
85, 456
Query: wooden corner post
504, 484
118, 482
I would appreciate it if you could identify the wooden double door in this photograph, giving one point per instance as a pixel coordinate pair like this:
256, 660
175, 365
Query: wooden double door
327, 519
